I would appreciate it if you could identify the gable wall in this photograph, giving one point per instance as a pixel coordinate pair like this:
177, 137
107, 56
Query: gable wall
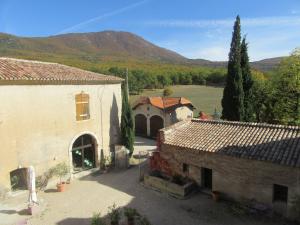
38, 123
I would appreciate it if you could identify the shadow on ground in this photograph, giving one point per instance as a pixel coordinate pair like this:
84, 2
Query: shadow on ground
163, 209
22, 212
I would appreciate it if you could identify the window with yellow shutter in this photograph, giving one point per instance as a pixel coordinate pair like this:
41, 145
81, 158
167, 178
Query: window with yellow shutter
82, 106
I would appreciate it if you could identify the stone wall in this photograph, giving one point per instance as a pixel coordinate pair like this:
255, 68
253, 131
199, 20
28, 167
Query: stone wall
38, 124
237, 179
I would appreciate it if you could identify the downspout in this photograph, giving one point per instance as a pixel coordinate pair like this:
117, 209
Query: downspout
101, 117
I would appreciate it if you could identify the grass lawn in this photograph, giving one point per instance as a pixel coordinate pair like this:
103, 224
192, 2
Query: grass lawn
204, 98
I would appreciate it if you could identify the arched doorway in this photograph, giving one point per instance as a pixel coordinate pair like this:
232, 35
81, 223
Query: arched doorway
83, 153
156, 123
140, 125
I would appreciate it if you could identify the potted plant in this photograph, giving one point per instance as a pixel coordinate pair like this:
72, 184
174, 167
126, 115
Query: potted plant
130, 213
60, 170
215, 195
114, 215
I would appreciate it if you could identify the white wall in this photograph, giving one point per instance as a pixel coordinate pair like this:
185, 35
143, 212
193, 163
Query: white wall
38, 123
181, 113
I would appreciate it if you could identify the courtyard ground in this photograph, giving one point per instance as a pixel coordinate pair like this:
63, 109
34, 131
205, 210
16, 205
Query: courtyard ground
96, 192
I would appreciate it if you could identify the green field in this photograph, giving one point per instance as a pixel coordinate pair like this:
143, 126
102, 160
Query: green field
204, 98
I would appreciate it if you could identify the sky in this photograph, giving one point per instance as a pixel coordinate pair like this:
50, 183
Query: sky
192, 28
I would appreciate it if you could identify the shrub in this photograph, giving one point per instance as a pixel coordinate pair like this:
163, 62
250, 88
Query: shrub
130, 213
142, 220
41, 181
97, 220
114, 215
167, 92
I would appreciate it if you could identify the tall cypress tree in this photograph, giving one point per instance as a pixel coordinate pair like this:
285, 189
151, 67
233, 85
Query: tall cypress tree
233, 95
247, 83
127, 123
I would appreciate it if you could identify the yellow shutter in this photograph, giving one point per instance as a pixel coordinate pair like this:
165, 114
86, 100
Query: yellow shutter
82, 106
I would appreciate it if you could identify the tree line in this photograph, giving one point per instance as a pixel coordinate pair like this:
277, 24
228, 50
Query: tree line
140, 79
253, 97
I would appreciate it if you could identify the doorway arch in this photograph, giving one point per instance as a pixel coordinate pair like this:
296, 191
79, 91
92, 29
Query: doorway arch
84, 153
156, 123
140, 125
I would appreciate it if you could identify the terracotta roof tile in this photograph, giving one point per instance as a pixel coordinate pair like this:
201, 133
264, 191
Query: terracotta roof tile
274, 143
28, 70
163, 102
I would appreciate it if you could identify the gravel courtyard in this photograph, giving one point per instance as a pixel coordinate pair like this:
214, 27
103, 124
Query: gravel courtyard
95, 193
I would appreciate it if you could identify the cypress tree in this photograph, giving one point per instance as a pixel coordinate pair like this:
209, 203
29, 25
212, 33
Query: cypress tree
247, 83
233, 95
127, 123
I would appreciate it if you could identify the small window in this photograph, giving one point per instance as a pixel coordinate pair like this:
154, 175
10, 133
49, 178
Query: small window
185, 168
280, 193
148, 108
82, 106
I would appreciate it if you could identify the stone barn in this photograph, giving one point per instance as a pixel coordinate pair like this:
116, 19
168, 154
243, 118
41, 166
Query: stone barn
154, 113
53, 113
247, 162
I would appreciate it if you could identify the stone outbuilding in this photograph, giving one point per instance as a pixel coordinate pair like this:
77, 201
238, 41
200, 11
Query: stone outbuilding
52, 113
154, 113
246, 162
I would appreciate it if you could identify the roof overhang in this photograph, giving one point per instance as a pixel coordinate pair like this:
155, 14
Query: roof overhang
59, 82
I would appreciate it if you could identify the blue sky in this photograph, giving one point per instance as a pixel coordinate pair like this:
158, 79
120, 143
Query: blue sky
193, 28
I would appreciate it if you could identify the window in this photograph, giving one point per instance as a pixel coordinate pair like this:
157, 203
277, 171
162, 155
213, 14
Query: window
83, 153
82, 106
280, 193
185, 168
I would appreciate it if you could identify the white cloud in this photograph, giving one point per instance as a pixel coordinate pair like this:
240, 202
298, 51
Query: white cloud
253, 22
83, 24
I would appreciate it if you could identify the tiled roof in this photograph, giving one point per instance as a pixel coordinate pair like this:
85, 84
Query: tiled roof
274, 143
204, 116
163, 102
27, 71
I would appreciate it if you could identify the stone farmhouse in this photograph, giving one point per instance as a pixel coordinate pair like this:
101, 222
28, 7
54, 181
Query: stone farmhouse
53, 113
154, 113
247, 162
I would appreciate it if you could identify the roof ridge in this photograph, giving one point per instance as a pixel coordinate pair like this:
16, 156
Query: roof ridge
29, 61
266, 125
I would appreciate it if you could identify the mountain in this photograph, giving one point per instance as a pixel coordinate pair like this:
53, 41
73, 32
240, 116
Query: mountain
267, 64
107, 47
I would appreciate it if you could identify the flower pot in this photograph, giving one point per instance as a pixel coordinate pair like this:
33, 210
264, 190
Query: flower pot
215, 195
61, 187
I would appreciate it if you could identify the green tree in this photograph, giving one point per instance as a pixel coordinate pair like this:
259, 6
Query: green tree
167, 92
127, 123
287, 91
247, 83
263, 93
233, 96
